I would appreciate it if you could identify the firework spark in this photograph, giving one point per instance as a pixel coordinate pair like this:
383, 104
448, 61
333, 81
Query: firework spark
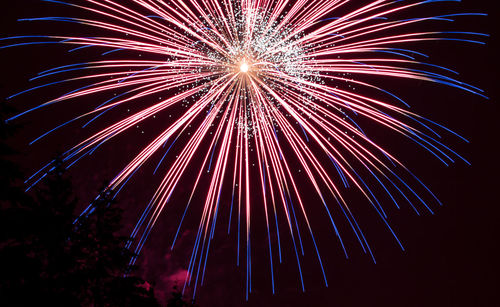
270, 86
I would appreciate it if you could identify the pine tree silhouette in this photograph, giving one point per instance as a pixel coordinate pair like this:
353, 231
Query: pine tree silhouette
178, 300
52, 256
34, 251
48, 257
105, 260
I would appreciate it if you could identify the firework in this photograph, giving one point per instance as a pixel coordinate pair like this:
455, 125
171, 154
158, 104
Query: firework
270, 86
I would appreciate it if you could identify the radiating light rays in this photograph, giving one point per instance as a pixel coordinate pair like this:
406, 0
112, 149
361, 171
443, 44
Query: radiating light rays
268, 87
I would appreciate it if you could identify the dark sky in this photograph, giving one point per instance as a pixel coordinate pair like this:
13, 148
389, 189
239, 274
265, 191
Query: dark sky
449, 258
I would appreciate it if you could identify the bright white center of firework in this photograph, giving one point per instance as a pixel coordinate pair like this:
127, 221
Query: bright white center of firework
244, 67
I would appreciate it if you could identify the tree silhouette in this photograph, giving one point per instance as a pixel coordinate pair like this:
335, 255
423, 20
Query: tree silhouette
103, 259
64, 260
51, 255
29, 236
178, 300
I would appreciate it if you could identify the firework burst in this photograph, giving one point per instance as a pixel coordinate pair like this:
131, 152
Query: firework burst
270, 86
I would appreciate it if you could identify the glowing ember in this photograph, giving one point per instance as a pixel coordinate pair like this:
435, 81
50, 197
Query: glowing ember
244, 67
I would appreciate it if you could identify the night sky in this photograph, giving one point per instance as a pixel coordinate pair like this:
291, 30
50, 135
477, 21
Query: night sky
449, 258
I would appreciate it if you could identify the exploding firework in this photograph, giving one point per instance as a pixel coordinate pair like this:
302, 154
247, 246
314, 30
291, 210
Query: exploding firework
267, 87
